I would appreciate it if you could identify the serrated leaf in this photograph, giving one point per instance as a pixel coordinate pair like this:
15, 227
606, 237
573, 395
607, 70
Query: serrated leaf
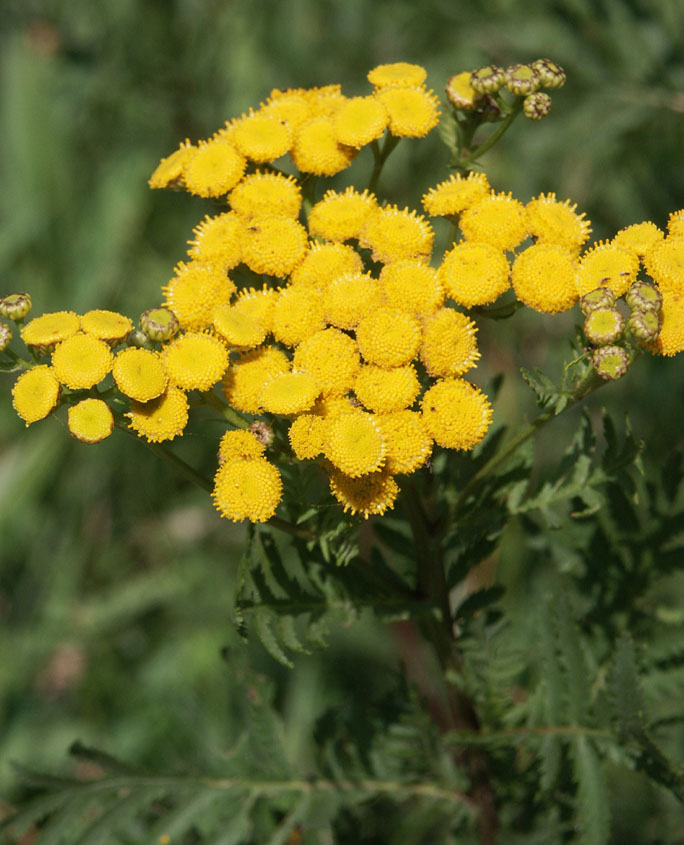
568, 634
593, 807
263, 619
191, 806
478, 601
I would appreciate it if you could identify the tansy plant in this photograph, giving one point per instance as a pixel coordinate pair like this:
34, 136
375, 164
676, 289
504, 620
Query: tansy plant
336, 345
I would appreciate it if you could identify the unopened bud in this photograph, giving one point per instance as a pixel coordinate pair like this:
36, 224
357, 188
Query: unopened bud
644, 324
610, 362
461, 94
597, 298
641, 295
15, 306
138, 338
5, 336
522, 80
551, 75
536, 106
262, 431
603, 325
487, 79
159, 323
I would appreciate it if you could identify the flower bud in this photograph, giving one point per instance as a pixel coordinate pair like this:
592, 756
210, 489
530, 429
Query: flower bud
138, 338
536, 106
603, 325
159, 323
522, 80
641, 296
610, 362
644, 324
551, 75
487, 79
461, 94
5, 336
597, 298
262, 431
15, 306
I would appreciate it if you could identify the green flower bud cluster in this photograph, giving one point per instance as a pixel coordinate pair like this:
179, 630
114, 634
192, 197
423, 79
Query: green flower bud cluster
15, 306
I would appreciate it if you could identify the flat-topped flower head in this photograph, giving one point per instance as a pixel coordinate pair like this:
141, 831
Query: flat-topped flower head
46, 331
159, 323
341, 216
266, 195
449, 346
665, 264
109, 326
274, 245
412, 110
194, 291
396, 73
604, 325
81, 361
316, 149
349, 298
638, 238
90, 421
359, 121
139, 374
455, 194
289, 107
642, 296
606, 265
456, 414
289, 393
325, 262
15, 306
460, 92
162, 418
355, 444
169, 172
261, 137
406, 439
610, 362
369, 495
393, 235
239, 443
554, 222
675, 223
411, 286
35, 393
388, 337
247, 376
487, 79
247, 488
218, 240
670, 340
195, 361
215, 168
298, 313
522, 79
385, 390
308, 436
258, 304
237, 328
332, 358
544, 277
325, 100
499, 220
551, 74
474, 273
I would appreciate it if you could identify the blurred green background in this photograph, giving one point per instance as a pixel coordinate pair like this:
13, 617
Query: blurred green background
115, 576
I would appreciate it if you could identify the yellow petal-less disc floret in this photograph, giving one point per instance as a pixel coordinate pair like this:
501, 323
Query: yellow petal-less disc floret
359, 121
46, 331
261, 137
332, 358
412, 110
162, 418
456, 414
214, 169
106, 325
638, 238
499, 220
316, 149
393, 235
247, 488
461, 93
274, 245
449, 346
139, 374
341, 216
289, 393
81, 361
545, 278
35, 393
383, 390
239, 443
169, 171
388, 337
258, 304
247, 376
455, 194
266, 195
195, 361
218, 240
665, 263
308, 436
290, 107
554, 222
396, 73
670, 340
605, 265
675, 223
411, 286
355, 444
369, 495
406, 439
475, 273
298, 313
237, 328
90, 421
325, 262
349, 298
193, 293
325, 100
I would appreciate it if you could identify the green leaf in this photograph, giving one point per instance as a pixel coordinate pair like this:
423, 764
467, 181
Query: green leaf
593, 807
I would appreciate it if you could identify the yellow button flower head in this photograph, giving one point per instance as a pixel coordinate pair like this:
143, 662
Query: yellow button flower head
332, 358
290, 107
665, 263
475, 273
237, 328
554, 222
545, 278
455, 194
670, 340
139, 374
675, 223
386, 390
266, 195
46, 331
261, 137
81, 361
388, 337
247, 488
369, 495
407, 441
214, 169
325, 262
195, 361
274, 245
460, 92
298, 313
239, 443
193, 293
498, 220
325, 100
106, 325
341, 216
605, 265
449, 347
354, 444
257, 304
162, 418
456, 414
246, 378
393, 235
411, 286
289, 393
638, 238
308, 434
349, 298
331, 407
35, 393
218, 240
359, 121
396, 73
413, 111
316, 149
90, 421
169, 171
